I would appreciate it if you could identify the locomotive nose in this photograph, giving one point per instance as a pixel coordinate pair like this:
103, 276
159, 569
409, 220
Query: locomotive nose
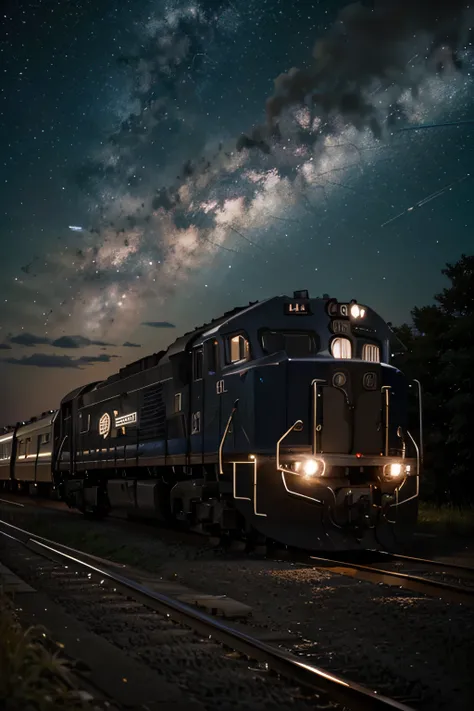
346, 402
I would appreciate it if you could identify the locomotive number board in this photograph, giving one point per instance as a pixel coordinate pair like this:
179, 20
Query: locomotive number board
297, 308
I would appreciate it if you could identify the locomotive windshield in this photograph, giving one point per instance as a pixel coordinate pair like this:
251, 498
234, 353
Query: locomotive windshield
296, 344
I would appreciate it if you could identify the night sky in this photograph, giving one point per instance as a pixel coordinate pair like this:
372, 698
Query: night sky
147, 182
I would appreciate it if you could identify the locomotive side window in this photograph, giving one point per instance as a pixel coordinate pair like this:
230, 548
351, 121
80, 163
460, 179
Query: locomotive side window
371, 353
197, 363
341, 348
212, 357
238, 348
296, 344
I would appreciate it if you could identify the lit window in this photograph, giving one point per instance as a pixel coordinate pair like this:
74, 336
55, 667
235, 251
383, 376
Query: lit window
341, 348
371, 353
239, 348
177, 402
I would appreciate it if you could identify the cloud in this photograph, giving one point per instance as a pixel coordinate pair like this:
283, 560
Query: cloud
158, 324
104, 358
77, 342
28, 339
43, 360
5, 347
128, 344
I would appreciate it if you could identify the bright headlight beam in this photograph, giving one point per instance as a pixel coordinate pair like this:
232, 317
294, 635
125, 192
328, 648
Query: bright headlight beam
310, 467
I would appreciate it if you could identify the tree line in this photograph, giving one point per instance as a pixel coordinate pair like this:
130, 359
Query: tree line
440, 354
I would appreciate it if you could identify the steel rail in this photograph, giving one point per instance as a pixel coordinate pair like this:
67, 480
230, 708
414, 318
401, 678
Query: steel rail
416, 583
343, 691
442, 565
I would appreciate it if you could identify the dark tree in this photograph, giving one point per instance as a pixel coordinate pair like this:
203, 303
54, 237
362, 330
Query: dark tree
441, 355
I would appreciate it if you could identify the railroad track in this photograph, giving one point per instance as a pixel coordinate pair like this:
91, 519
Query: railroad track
67, 560
418, 575
404, 572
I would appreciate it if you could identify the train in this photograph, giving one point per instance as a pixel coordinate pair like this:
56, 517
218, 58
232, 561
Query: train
284, 420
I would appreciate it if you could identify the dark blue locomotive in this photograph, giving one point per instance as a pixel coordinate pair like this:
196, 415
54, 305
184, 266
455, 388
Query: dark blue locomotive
283, 419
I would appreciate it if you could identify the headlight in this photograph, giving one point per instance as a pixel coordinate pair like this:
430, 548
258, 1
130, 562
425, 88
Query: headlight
311, 467
308, 467
392, 471
357, 311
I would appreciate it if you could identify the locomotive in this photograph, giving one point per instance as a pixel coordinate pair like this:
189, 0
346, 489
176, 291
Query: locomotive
282, 420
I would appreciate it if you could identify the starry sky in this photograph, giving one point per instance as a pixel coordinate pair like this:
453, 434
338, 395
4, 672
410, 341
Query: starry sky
162, 161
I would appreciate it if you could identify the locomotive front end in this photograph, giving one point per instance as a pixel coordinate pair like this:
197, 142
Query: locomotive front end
344, 470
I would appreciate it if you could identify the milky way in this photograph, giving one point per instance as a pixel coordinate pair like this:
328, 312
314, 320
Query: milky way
170, 194
197, 155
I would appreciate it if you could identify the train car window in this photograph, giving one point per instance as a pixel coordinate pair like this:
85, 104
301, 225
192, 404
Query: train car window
212, 357
45, 438
341, 348
197, 363
296, 344
27, 446
371, 353
238, 348
177, 402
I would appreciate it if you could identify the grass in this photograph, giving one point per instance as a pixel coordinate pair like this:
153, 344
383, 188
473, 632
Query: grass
33, 678
446, 519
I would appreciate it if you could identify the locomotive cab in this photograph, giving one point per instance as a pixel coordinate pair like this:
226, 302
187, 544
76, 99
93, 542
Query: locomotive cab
319, 432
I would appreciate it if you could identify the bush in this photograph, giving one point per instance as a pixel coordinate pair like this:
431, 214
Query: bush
32, 678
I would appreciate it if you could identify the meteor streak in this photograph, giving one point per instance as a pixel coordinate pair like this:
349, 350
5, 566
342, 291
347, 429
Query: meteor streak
421, 127
429, 198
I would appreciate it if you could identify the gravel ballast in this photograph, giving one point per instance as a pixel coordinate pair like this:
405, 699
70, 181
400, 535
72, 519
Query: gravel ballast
411, 646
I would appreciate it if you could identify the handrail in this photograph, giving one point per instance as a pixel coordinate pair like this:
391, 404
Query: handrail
420, 410
293, 426
221, 445
314, 385
386, 388
417, 492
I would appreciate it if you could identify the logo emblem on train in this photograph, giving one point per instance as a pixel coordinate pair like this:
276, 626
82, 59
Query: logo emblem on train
105, 424
254, 425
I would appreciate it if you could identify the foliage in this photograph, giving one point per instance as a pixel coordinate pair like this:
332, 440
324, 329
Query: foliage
31, 677
446, 519
441, 355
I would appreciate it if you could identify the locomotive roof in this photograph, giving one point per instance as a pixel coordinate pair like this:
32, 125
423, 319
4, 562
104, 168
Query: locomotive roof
206, 330
182, 343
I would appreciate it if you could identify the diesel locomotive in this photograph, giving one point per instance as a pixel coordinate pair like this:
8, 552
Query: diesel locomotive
281, 420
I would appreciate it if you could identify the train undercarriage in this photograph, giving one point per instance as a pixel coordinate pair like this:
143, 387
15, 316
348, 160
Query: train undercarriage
350, 506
